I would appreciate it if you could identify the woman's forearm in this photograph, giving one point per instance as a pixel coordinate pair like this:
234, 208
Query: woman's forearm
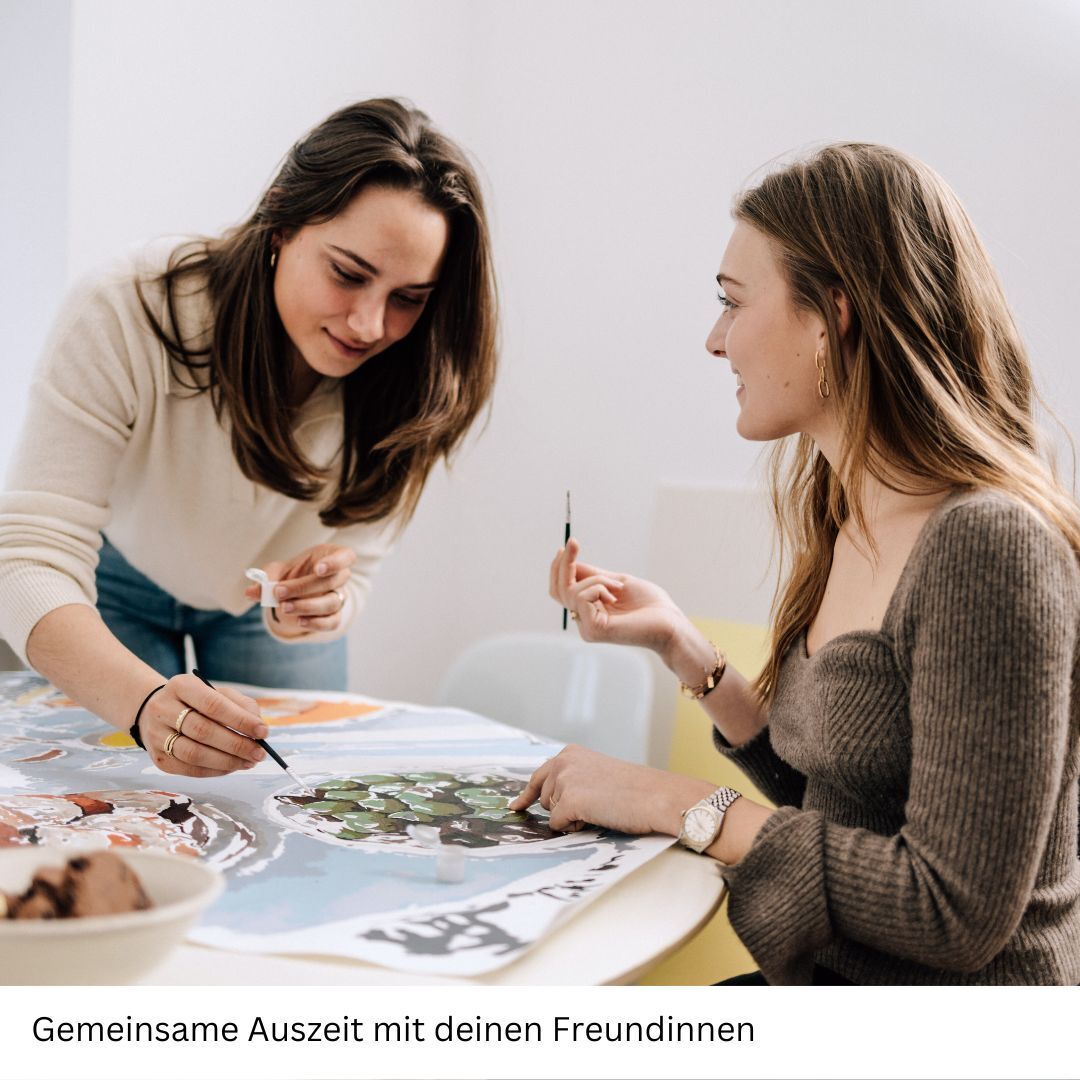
74, 649
742, 820
732, 706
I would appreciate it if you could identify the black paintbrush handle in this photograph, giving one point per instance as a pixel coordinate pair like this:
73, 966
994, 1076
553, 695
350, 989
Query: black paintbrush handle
566, 540
262, 742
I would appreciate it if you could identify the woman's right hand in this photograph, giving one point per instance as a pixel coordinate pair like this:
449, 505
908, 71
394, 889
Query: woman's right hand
218, 733
613, 607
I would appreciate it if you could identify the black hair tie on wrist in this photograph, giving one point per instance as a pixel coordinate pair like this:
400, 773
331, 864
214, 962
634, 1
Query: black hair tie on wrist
133, 731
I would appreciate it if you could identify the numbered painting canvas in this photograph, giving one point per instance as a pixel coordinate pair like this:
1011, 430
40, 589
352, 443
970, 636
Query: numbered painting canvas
334, 870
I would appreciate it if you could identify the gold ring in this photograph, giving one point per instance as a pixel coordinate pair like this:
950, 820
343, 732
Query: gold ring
574, 616
341, 597
179, 725
170, 742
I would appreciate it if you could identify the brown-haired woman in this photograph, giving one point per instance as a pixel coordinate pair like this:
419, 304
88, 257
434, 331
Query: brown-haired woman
273, 398
918, 721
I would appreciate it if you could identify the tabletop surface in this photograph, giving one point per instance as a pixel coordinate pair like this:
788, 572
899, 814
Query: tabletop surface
615, 939
330, 886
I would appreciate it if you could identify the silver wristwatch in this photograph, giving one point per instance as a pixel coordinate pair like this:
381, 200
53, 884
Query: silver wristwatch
701, 823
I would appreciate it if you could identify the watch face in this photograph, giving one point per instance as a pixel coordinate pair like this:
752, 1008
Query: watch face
700, 825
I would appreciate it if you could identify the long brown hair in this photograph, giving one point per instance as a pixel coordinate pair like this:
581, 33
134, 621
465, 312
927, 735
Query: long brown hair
407, 407
932, 380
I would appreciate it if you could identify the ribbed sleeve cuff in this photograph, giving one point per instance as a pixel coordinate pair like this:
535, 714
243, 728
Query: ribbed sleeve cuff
29, 591
760, 762
778, 904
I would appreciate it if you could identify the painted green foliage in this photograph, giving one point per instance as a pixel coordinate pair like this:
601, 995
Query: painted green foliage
468, 810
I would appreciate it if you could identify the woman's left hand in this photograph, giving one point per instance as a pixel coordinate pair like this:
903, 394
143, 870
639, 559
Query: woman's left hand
311, 588
582, 787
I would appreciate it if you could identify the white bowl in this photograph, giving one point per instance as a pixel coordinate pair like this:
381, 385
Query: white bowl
102, 949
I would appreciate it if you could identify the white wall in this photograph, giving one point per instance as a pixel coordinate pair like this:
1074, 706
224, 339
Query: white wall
613, 135
34, 65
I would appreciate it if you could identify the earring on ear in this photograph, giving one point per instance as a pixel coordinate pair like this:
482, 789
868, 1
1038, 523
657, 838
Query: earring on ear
273, 258
822, 382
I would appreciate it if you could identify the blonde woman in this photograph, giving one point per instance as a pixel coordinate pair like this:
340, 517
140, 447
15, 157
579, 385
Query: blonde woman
918, 721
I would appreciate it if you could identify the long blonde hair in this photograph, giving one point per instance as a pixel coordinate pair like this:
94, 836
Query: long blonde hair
931, 381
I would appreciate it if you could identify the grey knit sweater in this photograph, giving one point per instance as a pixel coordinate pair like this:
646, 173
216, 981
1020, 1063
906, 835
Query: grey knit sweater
926, 773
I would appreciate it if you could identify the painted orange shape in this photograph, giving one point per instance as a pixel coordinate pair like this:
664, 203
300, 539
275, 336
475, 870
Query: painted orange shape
117, 740
315, 712
48, 755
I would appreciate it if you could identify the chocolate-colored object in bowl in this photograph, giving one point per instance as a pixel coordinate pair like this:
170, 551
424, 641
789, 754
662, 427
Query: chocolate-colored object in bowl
100, 883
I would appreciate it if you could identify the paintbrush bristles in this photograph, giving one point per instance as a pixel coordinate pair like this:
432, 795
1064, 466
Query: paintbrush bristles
300, 783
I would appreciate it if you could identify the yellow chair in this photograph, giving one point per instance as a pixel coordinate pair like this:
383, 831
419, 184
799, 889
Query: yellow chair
714, 953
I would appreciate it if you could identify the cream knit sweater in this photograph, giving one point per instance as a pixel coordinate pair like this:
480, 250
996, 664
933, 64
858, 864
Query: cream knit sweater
113, 442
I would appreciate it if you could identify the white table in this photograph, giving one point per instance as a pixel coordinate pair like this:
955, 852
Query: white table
615, 939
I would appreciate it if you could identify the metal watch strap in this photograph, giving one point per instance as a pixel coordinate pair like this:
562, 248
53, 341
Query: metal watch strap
722, 798
718, 802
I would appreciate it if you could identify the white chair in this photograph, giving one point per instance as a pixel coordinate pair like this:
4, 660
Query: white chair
559, 686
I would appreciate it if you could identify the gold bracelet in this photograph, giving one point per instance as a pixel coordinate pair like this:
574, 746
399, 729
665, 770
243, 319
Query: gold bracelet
696, 693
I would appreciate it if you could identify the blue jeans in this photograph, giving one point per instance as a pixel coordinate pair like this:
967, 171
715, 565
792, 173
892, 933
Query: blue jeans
230, 648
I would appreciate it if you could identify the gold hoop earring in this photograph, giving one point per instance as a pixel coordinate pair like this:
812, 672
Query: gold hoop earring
273, 258
822, 382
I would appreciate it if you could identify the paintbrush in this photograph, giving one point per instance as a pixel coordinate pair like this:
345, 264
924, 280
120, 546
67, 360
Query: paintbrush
566, 540
263, 743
